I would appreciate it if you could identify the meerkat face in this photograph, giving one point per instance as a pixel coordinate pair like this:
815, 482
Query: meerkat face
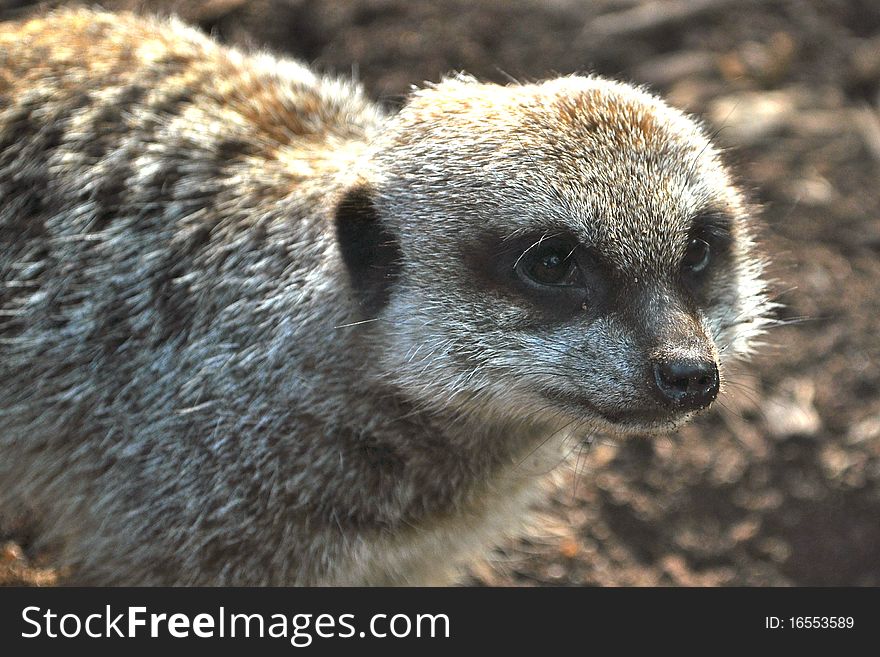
569, 250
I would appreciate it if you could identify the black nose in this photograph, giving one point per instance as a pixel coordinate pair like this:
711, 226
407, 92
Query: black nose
687, 384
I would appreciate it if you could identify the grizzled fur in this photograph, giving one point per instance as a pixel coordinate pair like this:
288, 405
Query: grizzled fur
250, 329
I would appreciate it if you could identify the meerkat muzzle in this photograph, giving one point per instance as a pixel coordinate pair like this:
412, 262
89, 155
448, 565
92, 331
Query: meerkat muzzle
686, 384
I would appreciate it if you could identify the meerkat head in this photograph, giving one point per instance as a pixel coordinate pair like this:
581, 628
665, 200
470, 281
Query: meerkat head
571, 250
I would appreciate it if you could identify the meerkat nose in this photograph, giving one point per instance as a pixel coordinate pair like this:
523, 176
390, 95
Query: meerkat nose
687, 384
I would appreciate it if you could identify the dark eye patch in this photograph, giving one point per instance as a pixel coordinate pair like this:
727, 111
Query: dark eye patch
714, 227
551, 273
707, 249
550, 261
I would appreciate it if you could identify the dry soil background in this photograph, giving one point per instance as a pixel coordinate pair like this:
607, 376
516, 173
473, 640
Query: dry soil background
781, 483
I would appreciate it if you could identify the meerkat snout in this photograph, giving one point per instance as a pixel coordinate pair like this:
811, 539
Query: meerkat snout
256, 330
688, 384
684, 361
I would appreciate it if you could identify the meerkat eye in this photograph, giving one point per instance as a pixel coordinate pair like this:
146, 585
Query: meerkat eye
697, 255
549, 263
550, 268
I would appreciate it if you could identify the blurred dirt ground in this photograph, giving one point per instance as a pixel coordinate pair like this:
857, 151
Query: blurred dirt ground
780, 484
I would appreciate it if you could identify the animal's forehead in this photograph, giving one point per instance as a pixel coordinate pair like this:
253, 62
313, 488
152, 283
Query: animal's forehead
626, 204
592, 109
641, 228
624, 173
605, 161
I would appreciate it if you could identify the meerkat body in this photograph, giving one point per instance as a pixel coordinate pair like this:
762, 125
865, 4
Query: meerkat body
253, 330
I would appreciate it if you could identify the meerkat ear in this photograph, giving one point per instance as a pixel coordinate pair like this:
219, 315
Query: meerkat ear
370, 251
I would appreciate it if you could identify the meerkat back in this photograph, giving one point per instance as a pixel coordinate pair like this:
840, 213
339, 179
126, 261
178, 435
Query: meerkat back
155, 202
253, 330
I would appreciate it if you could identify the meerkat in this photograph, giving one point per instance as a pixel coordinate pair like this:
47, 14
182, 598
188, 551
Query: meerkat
256, 330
